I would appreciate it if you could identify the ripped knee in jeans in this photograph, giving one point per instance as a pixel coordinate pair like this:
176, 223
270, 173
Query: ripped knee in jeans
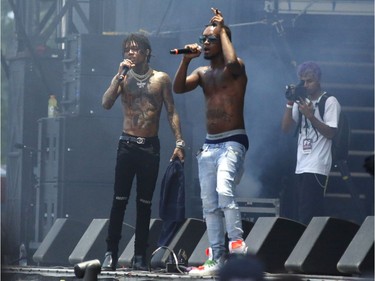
121, 198
144, 201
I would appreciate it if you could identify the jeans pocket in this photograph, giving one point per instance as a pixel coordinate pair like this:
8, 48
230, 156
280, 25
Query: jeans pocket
199, 153
236, 155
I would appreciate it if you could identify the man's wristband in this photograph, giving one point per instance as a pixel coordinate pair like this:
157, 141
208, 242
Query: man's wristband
180, 144
289, 105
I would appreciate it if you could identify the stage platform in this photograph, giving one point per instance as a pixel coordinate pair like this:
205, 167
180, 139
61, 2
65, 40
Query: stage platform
326, 249
16, 273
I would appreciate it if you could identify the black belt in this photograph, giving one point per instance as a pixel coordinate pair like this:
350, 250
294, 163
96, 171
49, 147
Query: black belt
137, 140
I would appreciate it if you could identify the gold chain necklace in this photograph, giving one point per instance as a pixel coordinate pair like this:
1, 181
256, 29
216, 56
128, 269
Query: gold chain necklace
141, 78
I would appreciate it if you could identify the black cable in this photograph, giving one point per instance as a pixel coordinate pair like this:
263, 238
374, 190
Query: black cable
178, 267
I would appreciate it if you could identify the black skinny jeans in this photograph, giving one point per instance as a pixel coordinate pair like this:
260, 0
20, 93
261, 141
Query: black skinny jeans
140, 161
310, 196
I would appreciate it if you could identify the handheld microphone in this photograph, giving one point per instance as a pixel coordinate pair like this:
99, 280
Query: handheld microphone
123, 73
181, 51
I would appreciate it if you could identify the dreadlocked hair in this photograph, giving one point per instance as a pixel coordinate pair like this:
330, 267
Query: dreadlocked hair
140, 40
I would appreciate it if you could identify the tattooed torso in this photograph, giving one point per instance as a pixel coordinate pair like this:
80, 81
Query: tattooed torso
142, 104
224, 97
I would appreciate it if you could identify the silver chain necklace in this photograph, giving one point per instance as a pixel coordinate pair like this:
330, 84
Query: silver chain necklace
141, 78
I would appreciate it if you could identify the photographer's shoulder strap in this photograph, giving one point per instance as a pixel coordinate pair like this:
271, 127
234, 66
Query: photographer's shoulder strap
298, 128
322, 104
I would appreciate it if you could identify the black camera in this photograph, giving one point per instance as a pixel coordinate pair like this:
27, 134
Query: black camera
295, 93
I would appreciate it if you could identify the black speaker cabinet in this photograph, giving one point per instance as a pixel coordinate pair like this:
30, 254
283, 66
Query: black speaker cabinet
76, 201
59, 242
186, 238
198, 256
71, 149
92, 244
272, 239
321, 246
358, 258
30, 82
127, 255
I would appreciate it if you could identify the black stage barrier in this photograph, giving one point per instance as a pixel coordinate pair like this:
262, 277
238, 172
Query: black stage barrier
358, 258
186, 239
92, 244
59, 242
321, 246
272, 239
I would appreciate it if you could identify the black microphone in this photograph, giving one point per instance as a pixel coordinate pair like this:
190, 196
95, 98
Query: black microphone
123, 73
181, 51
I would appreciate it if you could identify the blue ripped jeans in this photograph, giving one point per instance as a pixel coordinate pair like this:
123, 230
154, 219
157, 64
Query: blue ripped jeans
220, 170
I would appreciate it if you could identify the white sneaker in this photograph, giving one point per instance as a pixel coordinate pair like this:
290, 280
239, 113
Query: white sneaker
209, 268
237, 247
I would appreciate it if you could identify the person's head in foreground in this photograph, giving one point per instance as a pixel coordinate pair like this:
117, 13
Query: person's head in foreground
242, 268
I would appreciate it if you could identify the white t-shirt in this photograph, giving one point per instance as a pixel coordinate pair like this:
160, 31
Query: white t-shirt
314, 150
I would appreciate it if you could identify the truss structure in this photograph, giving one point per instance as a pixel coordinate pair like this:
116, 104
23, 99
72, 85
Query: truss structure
322, 7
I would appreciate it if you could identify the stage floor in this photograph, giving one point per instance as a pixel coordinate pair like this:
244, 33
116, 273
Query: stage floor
15, 273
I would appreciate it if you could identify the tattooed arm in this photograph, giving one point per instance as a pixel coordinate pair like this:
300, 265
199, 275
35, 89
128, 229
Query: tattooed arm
112, 93
173, 118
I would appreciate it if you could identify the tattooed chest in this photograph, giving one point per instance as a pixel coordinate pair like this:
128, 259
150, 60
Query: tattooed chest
142, 108
142, 96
